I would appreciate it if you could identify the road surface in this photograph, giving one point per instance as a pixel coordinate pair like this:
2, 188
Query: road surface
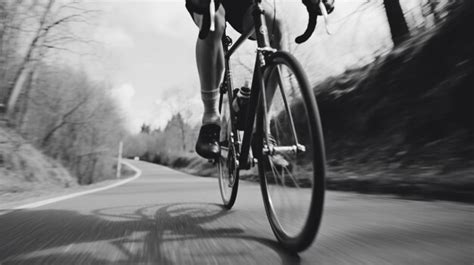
167, 217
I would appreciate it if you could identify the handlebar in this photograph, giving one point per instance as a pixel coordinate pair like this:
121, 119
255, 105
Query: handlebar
312, 21
208, 23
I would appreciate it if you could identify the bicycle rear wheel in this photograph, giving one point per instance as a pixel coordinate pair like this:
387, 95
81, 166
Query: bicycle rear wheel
227, 163
292, 162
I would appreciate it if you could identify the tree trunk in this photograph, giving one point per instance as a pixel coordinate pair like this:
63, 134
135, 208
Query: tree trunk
396, 21
183, 135
433, 4
23, 108
15, 88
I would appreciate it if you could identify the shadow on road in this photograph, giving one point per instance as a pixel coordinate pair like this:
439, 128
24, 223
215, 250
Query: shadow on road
155, 234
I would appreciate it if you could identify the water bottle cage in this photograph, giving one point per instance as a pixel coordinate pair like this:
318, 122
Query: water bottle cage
239, 104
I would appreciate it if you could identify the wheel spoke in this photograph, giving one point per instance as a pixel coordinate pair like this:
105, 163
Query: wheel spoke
287, 108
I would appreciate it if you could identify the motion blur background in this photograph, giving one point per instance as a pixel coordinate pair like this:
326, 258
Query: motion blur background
394, 84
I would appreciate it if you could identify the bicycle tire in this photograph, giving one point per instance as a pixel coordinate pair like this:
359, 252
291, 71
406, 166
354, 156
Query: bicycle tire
228, 171
305, 231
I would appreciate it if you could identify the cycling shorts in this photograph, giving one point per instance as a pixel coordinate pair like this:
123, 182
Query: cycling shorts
234, 11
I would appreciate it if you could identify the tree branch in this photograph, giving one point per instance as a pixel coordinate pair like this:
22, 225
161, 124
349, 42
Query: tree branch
63, 120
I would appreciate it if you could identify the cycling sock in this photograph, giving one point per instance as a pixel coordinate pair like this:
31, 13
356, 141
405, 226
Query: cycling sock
211, 111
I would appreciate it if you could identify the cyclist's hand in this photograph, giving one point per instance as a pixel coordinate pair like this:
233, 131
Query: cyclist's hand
313, 6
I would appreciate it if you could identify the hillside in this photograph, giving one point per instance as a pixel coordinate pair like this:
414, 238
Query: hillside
408, 115
24, 169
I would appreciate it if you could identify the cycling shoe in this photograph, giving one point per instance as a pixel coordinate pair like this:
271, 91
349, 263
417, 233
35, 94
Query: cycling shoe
207, 144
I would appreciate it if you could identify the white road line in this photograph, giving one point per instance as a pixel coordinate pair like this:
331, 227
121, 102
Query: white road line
67, 248
138, 172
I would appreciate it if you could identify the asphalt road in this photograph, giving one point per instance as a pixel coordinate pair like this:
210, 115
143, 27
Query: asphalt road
167, 217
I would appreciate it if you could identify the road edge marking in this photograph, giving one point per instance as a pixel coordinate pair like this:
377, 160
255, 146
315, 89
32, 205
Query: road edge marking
138, 173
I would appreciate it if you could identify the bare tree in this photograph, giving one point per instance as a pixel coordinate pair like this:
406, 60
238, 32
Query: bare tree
73, 120
64, 120
49, 34
396, 21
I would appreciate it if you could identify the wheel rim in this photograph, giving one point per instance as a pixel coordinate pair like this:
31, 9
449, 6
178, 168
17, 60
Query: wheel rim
226, 174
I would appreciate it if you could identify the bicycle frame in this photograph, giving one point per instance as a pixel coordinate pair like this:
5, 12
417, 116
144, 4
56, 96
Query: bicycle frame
263, 50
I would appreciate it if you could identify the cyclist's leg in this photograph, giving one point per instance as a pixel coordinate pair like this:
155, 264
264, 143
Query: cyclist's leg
210, 64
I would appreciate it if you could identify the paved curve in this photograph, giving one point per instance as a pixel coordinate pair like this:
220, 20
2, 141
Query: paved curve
166, 217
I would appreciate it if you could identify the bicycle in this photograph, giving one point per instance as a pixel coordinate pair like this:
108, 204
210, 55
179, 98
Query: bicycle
288, 150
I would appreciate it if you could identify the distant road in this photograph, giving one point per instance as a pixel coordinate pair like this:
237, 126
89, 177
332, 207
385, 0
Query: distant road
167, 217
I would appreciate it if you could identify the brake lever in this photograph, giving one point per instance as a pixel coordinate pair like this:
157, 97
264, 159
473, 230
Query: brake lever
212, 14
324, 11
312, 21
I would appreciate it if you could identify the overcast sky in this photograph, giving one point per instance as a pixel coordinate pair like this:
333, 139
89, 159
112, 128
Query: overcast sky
147, 54
147, 51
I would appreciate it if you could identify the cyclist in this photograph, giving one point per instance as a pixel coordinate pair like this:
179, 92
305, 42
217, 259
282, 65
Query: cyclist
210, 56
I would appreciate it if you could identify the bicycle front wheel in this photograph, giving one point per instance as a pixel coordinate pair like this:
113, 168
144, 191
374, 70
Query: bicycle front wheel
292, 162
227, 163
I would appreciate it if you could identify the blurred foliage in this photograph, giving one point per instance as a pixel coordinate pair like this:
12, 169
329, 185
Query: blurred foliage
178, 137
73, 120
410, 109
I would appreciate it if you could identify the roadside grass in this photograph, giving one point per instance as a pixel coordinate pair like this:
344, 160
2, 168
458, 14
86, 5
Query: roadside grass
26, 173
22, 193
423, 183
24, 168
